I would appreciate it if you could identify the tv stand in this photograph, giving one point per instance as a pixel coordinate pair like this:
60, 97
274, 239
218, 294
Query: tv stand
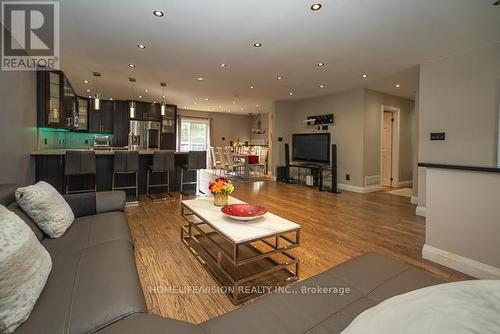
316, 168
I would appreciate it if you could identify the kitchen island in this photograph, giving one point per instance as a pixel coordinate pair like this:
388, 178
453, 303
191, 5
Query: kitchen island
49, 166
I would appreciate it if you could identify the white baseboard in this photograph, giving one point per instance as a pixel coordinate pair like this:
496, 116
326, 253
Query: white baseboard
357, 189
420, 211
414, 200
465, 265
407, 183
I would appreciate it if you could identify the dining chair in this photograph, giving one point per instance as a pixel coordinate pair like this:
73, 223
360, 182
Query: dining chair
216, 164
222, 156
262, 165
232, 166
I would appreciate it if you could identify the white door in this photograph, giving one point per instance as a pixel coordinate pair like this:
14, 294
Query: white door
387, 149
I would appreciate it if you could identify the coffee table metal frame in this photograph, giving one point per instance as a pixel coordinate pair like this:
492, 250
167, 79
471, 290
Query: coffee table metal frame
281, 245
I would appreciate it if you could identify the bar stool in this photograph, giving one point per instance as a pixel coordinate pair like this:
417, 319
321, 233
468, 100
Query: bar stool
126, 162
196, 160
79, 163
163, 163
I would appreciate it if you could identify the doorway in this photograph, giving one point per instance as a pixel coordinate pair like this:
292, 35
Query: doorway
387, 148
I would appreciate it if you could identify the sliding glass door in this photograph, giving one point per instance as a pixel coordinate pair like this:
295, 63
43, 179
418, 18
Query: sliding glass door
193, 134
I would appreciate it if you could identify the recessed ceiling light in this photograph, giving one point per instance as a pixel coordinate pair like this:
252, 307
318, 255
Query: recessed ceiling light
141, 46
220, 106
164, 96
365, 75
257, 44
111, 99
320, 64
397, 86
251, 87
140, 96
90, 96
146, 90
88, 90
256, 105
290, 93
200, 78
158, 13
279, 78
223, 65
206, 99
321, 86
85, 81
316, 6
195, 102
131, 65
234, 102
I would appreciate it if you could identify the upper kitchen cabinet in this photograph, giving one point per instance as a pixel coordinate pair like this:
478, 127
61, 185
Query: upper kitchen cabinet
49, 99
101, 120
83, 114
57, 104
147, 111
121, 123
169, 128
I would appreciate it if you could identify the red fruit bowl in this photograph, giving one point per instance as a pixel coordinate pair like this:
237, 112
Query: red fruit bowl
244, 212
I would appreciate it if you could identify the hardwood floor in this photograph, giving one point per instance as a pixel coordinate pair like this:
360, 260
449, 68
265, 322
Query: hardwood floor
335, 228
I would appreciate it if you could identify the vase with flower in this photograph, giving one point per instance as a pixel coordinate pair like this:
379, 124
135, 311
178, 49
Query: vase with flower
221, 188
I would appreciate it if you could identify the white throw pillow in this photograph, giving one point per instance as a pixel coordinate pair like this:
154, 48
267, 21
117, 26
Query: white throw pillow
48, 209
24, 268
467, 307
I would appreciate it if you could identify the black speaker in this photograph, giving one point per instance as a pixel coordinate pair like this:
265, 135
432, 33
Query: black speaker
334, 188
287, 163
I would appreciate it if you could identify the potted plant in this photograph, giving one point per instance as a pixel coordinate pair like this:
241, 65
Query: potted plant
220, 188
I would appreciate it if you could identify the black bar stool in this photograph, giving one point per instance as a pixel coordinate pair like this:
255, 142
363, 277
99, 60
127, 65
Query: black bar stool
163, 163
196, 160
126, 162
79, 163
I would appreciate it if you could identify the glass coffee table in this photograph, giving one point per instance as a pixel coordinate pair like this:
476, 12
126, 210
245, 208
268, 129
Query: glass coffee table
246, 258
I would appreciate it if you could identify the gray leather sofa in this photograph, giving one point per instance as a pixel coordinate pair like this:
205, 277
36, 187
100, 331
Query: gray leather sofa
94, 286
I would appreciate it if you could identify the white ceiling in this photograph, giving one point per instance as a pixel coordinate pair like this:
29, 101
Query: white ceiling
384, 38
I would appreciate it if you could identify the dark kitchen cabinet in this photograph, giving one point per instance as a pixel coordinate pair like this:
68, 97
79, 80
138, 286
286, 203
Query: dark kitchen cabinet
147, 111
83, 114
169, 128
121, 123
101, 121
49, 88
69, 104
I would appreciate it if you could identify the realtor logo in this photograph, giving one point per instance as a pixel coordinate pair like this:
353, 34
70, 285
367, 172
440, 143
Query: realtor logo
30, 35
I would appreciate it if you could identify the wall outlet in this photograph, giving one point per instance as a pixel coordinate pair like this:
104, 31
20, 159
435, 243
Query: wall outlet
347, 177
438, 136
280, 138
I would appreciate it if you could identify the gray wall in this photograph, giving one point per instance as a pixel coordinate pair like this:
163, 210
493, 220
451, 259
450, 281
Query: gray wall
372, 133
18, 126
459, 95
224, 125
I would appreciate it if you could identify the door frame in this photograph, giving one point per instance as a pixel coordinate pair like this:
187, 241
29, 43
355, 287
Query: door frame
395, 142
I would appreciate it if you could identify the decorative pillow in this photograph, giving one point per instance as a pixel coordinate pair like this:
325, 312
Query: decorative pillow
24, 268
453, 308
48, 209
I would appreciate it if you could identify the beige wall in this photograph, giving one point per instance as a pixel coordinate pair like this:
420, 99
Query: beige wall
18, 126
356, 130
347, 131
372, 132
460, 95
225, 126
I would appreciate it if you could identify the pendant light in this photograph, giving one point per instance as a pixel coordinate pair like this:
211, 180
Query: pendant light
97, 96
131, 104
163, 103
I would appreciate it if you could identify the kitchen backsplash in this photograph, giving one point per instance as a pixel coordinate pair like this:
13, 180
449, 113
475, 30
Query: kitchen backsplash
56, 138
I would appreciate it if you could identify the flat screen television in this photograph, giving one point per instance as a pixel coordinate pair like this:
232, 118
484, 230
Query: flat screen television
311, 147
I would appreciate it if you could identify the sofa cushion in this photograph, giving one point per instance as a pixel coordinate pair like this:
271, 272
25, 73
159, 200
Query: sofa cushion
7, 193
302, 310
89, 231
24, 268
88, 290
46, 207
151, 324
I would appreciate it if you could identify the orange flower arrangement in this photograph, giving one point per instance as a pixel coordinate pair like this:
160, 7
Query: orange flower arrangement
221, 185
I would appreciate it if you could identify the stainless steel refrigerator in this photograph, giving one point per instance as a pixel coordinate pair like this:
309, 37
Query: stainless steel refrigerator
144, 135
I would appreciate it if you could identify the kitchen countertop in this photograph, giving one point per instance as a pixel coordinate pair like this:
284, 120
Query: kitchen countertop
97, 152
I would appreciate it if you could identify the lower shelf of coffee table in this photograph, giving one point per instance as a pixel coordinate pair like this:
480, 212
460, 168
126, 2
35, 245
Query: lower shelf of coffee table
265, 273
